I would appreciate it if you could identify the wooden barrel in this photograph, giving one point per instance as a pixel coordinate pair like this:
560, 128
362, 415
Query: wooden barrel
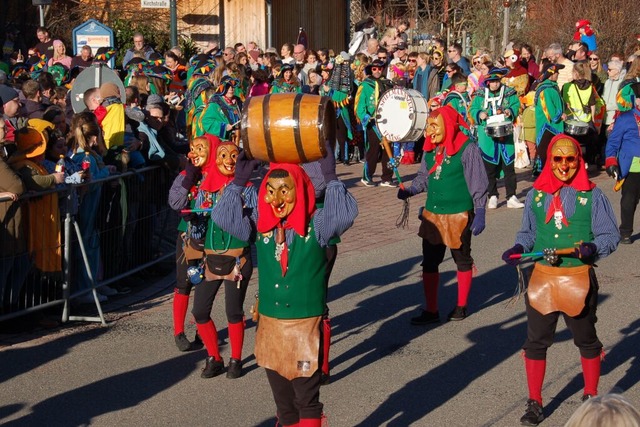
287, 127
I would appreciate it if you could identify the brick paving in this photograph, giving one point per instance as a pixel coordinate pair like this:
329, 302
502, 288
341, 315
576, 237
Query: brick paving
379, 209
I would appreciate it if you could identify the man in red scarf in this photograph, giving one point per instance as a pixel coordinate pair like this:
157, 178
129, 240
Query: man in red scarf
292, 235
452, 174
566, 211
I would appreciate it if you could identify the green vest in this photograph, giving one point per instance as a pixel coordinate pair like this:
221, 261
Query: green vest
550, 236
218, 239
299, 294
448, 192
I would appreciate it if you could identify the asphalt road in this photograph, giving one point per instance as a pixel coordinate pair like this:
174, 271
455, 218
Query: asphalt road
384, 371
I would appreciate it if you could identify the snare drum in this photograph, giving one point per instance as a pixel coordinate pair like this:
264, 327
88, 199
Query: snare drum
402, 114
576, 127
499, 129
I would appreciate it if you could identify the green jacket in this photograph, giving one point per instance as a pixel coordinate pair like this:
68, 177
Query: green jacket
494, 149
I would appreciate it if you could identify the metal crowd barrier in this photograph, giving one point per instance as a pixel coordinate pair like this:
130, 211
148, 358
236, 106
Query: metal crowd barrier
78, 238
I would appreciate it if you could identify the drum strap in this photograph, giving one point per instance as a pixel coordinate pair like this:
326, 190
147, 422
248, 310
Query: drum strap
495, 101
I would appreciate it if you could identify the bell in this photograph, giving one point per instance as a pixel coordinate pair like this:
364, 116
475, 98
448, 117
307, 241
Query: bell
195, 274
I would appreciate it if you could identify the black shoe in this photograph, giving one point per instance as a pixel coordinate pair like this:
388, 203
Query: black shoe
533, 416
626, 240
182, 342
587, 397
234, 369
212, 368
458, 313
197, 344
425, 318
324, 378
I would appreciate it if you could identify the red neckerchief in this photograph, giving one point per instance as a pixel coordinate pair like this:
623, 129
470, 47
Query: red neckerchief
212, 179
548, 183
302, 212
556, 206
454, 138
438, 159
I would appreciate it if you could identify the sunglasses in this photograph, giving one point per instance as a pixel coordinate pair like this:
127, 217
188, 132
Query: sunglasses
449, 71
593, 59
413, 60
476, 62
569, 159
376, 68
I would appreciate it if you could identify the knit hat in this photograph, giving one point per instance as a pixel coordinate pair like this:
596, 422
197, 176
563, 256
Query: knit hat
155, 99
31, 142
108, 90
7, 94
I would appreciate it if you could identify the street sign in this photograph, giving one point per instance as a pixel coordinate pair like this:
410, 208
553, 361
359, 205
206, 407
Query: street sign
93, 34
155, 4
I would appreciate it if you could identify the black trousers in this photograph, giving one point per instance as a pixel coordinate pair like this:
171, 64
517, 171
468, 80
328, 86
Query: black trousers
493, 172
629, 202
297, 398
542, 328
206, 293
433, 255
374, 154
183, 284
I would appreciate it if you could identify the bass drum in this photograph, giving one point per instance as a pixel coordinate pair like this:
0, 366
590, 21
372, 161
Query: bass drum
402, 114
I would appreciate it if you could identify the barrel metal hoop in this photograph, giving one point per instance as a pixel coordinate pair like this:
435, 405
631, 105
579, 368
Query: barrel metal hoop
244, 129
266, 121
296, 128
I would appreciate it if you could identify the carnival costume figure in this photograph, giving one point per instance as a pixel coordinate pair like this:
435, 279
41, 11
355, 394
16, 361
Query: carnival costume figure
453, 176
339, 94
222, 115
549, 110
567, 212
286, 82
291, 238
366, 102
496, 104
623, 162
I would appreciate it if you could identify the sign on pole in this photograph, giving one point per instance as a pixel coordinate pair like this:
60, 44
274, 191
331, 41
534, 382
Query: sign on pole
93, 34
155, 4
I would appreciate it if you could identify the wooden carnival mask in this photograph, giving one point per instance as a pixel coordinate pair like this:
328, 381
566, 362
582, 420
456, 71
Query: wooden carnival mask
281, 195
199, 151
435, 129
564, 159
226, 159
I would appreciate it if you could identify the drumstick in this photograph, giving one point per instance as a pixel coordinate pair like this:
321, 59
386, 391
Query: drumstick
387, 148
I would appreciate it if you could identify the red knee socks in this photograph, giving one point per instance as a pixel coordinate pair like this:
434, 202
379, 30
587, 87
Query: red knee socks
591, 375
430, 283
535, 377
180, 306
464, 286
326, 344
209, 336
236, 339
